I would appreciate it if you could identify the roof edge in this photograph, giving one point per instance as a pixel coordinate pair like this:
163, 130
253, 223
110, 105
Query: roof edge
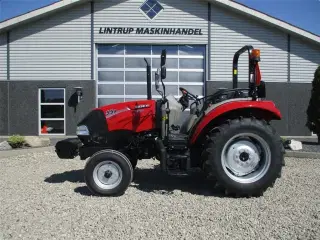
12, 22
267, 19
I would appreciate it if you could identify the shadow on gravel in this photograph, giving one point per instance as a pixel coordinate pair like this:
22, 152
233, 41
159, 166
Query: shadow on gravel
155, 181
148, 180
74, 176
83, 190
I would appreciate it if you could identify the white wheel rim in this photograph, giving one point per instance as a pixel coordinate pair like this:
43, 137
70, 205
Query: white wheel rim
246, 158
107, 175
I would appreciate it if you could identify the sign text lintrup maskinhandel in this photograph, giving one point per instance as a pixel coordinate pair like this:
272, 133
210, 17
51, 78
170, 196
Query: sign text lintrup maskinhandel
150, 31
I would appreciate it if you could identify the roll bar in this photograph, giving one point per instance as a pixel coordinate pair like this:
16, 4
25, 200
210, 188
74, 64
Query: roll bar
247, 48
253, 59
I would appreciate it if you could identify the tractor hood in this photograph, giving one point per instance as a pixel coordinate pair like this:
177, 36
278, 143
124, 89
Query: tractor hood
116, 108
133, 116
92, 126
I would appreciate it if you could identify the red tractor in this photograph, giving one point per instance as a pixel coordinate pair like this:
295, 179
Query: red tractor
228, 135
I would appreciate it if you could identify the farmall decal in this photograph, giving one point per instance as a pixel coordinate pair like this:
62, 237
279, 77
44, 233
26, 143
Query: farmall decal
142, 106
110, 112
150, 31
113, 112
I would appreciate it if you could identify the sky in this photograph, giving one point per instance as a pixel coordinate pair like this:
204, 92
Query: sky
301, 13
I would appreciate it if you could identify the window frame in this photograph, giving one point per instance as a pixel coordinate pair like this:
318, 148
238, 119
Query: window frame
51, 119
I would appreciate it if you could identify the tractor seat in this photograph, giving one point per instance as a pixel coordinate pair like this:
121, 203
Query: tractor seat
223, 94
221, 90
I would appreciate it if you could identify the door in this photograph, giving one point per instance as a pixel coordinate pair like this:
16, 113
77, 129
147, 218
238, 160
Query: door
121, 71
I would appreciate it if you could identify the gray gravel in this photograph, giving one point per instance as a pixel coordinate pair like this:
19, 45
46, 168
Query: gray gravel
43, 197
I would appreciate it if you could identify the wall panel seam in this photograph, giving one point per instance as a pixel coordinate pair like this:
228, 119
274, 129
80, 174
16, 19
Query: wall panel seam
92, 39
289, 57
8, 55
209, 41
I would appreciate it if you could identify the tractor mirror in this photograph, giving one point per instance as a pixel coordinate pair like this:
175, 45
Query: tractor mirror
163, 57
157, 76
163, 73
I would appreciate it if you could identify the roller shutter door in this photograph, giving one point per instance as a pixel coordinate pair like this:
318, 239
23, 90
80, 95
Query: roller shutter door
121, 71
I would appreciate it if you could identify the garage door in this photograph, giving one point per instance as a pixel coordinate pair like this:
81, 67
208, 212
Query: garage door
122, 75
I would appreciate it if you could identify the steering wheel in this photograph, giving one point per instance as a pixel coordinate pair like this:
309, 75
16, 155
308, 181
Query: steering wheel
185, 93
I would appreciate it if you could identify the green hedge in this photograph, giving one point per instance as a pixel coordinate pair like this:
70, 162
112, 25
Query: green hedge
313, 110
16, 141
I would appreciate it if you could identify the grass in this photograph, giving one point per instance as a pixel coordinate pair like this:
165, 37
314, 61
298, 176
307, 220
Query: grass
16, 141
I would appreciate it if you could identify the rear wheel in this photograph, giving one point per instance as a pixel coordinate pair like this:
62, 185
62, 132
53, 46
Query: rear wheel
108, 173
245, 156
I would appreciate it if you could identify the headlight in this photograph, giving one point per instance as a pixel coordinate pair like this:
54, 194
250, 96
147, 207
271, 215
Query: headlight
82, 131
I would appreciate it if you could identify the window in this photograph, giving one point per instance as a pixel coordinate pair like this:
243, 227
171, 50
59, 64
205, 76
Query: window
151, 8
52, 111
122, 70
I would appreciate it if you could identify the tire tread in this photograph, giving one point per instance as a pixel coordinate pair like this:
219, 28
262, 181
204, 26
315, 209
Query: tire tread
219, 132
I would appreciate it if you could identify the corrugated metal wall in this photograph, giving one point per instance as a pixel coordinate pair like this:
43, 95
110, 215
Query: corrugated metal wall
230, 32
3, 57
176, 14
304, 60
56, 47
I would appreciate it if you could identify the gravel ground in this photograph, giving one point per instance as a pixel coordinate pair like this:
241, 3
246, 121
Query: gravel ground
43, 197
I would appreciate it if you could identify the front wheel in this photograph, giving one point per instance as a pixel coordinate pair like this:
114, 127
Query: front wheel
245, 156
108, 173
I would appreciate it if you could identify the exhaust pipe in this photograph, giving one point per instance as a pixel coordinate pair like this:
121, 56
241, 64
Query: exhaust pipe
149, 82
149, 96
